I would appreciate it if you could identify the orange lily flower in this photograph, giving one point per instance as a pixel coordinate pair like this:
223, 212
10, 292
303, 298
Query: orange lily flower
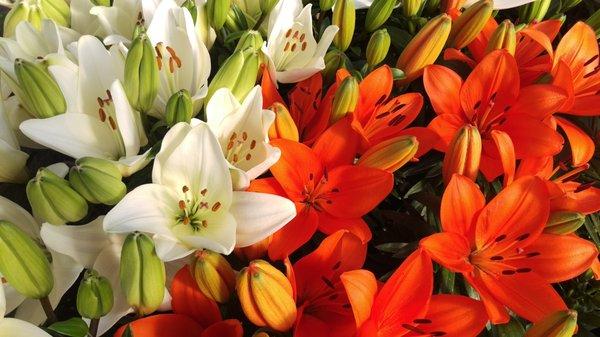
509, 118
322, 184
404, 306
501, 251
194, 315
323, 307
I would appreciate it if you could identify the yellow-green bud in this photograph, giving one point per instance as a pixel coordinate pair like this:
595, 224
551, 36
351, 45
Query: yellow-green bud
190, 5
53, 200
564, 222
411, 7
504, 37
23, 263
214, 275
40, 93
345, 99
267, 5
378, 13
378, 47
326, 5
94, 296
34, 11
19, 12
559, 324
344, 16
470, 23
251, 39
334, 60
179, 108
141, 74
236, 19
57, 10
390, 155
99, 181
534, 11
217, 11
238, 73
142, 274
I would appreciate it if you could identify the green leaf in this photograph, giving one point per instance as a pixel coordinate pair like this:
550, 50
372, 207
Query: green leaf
74, 327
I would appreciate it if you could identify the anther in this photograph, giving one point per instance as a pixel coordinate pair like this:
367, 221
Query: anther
181, 204
216, 206
113, 125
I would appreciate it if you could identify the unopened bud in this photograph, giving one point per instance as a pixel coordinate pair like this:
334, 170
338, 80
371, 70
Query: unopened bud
463, 154
334, 60
214, 275
141, 74
504, 37
190, 5
564, 222
142, 274
99, 181
534, 11
94, 296
344, 16
217, 11
378, 14
53, 200
345, 99
470, 23
411, 8
251, 39
34, 11
391, 154
56, 10
179, 108
266, 296
255, 251
559, 324
267, 5
23, 263
40, 93
378, 47
326, 5
238, 73
284, 125
17, 14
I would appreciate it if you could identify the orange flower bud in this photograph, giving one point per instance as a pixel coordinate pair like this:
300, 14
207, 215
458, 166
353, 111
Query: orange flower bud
345, 99
504, 37
424, 48
559, 324
564, 222
284, 125
266, 296
255, 251
391, 154
470, 23
463, 154
214, 275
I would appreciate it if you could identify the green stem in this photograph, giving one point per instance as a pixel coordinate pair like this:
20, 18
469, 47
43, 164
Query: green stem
94, 327
48, 310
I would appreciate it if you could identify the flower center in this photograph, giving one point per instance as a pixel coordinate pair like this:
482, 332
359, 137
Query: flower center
314, 195
107, 115
194, 210
240, 148
294, 44
168, 65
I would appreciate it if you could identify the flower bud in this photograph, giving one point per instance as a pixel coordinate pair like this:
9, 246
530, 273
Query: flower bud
378, 14
463, 154
251, 39
284, 125
326, 5
255, 251
266, 296
564, 222
34, 11
559, 324
378, 47
344, 16
238, 73
424, 48
141, 74
504, 37
40, 93
142, 274
19, 12
345, 99
99, 181
391, 154
334, 60
94, 296
179, 108
53, 200
236, 19
23, 263
217, 11
470, 23
411, 7
267, 5
190, 5
214, 275
534, 11
56, 10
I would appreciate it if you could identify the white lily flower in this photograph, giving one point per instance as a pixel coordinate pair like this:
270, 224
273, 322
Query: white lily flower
12, 168
118, 21
191, 205
15, 327
183, 58
242, 131
90, 247
501, 4
99, 121
64, 269
291, 49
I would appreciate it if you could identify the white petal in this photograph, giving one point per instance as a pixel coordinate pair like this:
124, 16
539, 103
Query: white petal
283, 15
2, 303
60, 169
13, 298
11, 212
170, 249
259, 215
10, 327
503, 4
325, 41
219, 236
170, 141
66, 78
125, 119
221, 104
81, 19
298, 74
130, 165
12, 169
359, 4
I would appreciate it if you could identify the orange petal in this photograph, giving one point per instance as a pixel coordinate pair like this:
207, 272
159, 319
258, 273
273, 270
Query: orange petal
577, 46
267, 185
530, 48
530, 137
561, 76
540, 166
506, 150
294, 234
539, 100
450, 250
583, 199
461, 202
187, 299
361, 287
446, 126
451, 54
329, 224
226, 328
374, 90
585, 106
308, 325
426, 137
496, 311
269, 90
338, 145
582, 146
443, 88
163, 325
392, 117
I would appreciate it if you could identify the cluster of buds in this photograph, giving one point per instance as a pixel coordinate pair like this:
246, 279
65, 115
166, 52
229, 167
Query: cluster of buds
34, 11
99, 181
40, 94
214, 275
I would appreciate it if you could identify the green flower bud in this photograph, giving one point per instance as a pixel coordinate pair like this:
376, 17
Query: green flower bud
344, 16
470, 23
99, 181
19, 12
594, 22
564, 222
378, 14
238, 73
23, 263
378, 47
534, 11
94, 296
326, 5
411, 7
345, 99
217, 11
237, 20
40, 93
34, 11
141, 74
57, 10
142, 274
504, 37
267, 5
334, 60
53, 200
179, 108
250, 40
190, 5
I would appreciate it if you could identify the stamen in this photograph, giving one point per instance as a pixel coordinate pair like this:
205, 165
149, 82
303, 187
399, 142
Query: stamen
181, 205
113, 125
252, 144
572, 173
523, 237
203, 192
216, 206
422, 321
102, 114
327, 282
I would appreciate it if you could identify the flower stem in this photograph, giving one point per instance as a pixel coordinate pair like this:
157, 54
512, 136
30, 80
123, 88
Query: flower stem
94, 327
48, 310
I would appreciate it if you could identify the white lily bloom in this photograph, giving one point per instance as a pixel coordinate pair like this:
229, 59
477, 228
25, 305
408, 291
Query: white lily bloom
14, 327
184, 61
12, 167
242, 131
118, 21
359, 4
191, 205
501, 4
99, 121
293, 53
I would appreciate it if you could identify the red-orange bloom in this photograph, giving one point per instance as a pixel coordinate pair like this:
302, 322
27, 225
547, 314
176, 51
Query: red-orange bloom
329, 193
500, 248
404, 306
506, 115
